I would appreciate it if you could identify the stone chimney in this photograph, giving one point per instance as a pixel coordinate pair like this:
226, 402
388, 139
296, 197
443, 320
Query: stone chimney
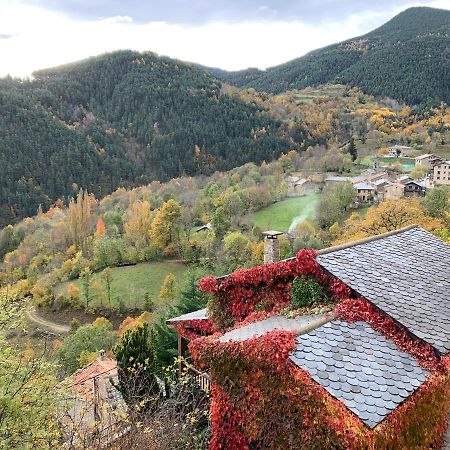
101, 354
271, 246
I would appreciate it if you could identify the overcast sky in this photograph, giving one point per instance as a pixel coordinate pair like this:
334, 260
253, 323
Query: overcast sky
230, 34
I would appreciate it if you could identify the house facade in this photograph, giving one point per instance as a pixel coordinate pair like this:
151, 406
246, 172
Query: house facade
428, 159
414, 189
394, 191
441, 173
365, 191
367, 368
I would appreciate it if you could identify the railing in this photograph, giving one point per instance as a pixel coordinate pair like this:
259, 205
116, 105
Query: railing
201, 378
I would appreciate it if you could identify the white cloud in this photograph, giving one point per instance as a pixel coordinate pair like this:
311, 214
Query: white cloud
42, 38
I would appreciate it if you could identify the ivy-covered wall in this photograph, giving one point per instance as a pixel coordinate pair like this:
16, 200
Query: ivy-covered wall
260, 399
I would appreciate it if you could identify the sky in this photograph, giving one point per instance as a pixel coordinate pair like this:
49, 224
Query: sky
230, 34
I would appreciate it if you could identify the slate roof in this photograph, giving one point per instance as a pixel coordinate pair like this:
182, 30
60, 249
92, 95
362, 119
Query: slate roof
364, 186
201, 314
406, 274
360, 367
257, 329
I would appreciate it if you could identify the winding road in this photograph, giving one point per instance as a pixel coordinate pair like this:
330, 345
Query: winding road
55, 327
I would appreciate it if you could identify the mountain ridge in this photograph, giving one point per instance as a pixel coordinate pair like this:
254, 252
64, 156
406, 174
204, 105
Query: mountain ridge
412, 50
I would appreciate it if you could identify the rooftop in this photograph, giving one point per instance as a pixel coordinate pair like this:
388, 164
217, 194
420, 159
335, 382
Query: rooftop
406, 274
359, 367
364, 186
299, 324
201, 314
82, 381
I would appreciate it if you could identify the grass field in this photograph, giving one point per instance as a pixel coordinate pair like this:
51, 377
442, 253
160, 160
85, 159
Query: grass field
279, 216
308, 95
132, 282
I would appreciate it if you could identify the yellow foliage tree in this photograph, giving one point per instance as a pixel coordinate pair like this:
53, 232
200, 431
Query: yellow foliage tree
168, 290
138, 223
73, 292
165, 228
390, 215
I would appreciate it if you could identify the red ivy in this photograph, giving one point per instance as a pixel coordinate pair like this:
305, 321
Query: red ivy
261, 400
268, 286
193, 329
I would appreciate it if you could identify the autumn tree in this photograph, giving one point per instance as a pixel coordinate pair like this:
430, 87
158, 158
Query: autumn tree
138, 224
100, 228
436, 202
79, 219
391, 215
168, 289
236, 247
334, 203
165, 228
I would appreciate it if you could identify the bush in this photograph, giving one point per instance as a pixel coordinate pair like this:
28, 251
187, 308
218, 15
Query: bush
306, 292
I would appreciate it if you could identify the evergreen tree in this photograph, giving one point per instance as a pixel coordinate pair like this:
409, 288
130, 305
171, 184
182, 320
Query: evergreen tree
352, 151
136, 359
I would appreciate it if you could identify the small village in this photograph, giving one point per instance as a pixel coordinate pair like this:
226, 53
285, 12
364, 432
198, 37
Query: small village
381, 182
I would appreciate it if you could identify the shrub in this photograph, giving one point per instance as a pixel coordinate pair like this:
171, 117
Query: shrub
306, 292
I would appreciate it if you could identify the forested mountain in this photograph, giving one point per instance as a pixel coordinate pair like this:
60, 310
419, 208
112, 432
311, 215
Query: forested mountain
408, 59
123, 118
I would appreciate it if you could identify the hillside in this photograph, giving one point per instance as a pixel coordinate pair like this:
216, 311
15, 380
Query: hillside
407, 58
120, 119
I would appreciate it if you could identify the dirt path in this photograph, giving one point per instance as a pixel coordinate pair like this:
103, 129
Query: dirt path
56, 327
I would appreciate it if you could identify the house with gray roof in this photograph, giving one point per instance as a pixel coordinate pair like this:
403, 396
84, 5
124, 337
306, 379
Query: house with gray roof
405, 275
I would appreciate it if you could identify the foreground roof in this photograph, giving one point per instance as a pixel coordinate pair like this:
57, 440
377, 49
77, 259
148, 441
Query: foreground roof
406, 274
200, 314
359, 367
299, 324
82, 381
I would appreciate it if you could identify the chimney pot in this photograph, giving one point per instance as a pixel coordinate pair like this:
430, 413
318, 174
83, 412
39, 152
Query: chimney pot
271, 246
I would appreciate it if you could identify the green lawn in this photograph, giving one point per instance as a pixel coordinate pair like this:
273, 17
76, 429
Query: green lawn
279, 216
132, 282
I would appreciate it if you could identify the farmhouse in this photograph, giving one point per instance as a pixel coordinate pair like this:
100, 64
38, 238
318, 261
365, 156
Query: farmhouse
365, 366
394, 191
428, 159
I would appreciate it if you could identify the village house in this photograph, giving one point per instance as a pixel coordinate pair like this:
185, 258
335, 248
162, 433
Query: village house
427, 159
92, 404
371, 371
380, 186
299, 186
441, 173
365, 191
398, 151
414, 189
394, 191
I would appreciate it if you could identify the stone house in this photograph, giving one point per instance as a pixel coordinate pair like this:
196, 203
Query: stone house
90, 410
414, 189
394, 191
427, 159
365, 191
441, 173
364, 378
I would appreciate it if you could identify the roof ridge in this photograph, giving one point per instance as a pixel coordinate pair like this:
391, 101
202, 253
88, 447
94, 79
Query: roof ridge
365, 240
